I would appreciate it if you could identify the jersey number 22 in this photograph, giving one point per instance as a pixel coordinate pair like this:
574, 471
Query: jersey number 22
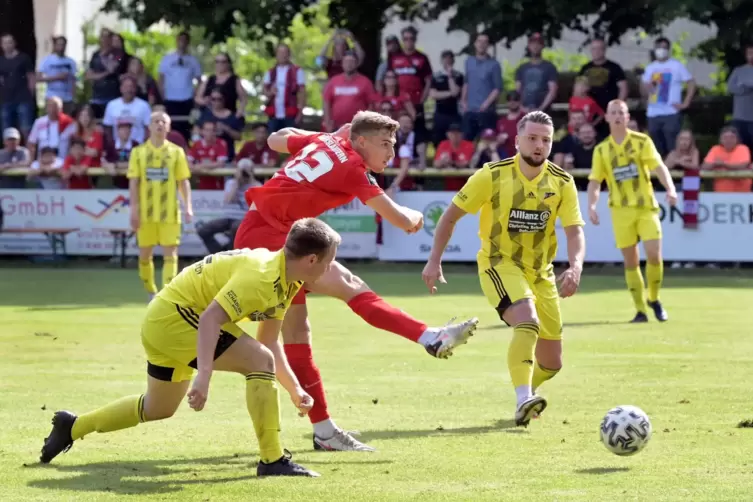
307, 166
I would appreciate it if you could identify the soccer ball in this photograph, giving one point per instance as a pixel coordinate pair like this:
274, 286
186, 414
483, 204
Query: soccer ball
625, 430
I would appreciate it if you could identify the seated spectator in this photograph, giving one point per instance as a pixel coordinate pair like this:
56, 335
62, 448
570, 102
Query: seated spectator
507, 125
400, 101
490, 148
567, 143
229, 125
454, 153
385, 108
75, 165
633, 125
208, 154
257, 150
146, 86
582, 102
333, 52
227, 83
235, 209
409, 154
128, 107
729, 155
53, 130
579, 153
685, 156
346, 94
92, 135
11, 156
46, 171
118, 153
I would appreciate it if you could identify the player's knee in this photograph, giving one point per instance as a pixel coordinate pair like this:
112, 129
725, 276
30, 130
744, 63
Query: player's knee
350, 285
170, 251
522, 311
154, 411
260, 358
145, 253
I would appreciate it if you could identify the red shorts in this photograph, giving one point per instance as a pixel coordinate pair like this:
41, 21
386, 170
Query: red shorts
254, 233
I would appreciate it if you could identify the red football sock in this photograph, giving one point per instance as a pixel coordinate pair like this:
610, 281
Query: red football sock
301, 361
382, 315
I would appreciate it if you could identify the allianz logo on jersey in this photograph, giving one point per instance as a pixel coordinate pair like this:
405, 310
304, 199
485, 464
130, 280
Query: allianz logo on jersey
527, 221
157, 174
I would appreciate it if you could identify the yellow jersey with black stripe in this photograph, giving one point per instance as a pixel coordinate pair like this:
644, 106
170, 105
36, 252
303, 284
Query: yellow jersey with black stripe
626, 167
518, 215
158, 169
246, 283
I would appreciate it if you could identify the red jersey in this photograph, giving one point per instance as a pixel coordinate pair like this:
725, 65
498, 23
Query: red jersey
216, 152
259, 156
324, 172
78, 182
347, 96
587, 105
412, 72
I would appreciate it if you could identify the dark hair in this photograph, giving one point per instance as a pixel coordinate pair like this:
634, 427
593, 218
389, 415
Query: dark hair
229, 61
57, 38
483, 34
311, 236
409, 29
397, 83
213, 122
184, 34
77, 142
48, 149
730, 128
258, 125
664, 40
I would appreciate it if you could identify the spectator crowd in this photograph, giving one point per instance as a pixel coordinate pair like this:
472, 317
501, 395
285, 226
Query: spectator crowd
466, 129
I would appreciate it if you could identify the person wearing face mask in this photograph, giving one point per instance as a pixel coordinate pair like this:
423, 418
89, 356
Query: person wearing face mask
346, 94
662, 85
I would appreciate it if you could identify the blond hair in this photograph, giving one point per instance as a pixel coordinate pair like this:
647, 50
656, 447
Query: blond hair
535, 117
160, 114
366, 123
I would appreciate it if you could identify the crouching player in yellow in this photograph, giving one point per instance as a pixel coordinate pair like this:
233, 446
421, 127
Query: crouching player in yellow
624, 160
190, 324
520, 199
157, 171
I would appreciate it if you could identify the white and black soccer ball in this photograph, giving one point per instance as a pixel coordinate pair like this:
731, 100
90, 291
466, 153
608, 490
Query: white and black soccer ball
625, 430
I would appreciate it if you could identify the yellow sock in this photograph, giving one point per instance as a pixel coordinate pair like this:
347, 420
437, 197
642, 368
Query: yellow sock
654, 277
636, 287
121, 414
541, 375
520, 354
263, 404
169, 270
146, 273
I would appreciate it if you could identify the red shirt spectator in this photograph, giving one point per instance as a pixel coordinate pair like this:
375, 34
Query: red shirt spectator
454, 152
207, 152
587, 106
413, 69
75, 165
346, 94
257, 150
95, 148
177, 138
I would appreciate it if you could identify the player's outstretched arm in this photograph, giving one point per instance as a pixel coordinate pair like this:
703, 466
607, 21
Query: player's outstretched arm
278, 141
432, 273
402, 217
210, 323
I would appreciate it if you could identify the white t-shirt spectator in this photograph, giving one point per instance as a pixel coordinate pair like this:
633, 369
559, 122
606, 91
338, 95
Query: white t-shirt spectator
668, 78
137, 112
45, 133
50, 182
282, 78
179, 71
53, 66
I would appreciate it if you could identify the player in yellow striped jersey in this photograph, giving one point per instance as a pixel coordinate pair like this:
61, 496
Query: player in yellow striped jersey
520, 199
157, 171
625, 161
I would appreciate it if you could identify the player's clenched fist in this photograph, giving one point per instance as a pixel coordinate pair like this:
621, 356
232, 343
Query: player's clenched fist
197, 396
569, 281
593, 215
432, 275
302, 401
417, 221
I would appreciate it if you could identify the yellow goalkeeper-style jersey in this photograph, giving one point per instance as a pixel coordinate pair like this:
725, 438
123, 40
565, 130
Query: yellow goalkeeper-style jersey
518, 215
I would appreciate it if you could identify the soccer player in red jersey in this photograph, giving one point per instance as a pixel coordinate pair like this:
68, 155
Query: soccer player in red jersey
326, 171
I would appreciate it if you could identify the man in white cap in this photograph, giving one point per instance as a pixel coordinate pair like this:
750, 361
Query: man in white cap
12, 155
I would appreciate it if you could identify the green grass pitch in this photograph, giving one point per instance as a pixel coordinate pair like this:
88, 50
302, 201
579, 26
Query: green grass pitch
69, 339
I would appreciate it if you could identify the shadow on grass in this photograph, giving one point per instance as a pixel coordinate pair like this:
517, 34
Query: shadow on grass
602, 470
498, 426
158, 476
585, 324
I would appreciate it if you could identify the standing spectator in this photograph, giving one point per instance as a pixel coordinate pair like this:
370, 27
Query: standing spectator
207, 154
177, 72
12, 155
257, 150
53, 130
413, 71
346, 94
146, 86
91, 133
227, 82
285, 88
507, 125
489, 149
105, 68
392, 94
580, 101
454, 152
536, 80
47, 170
58, 71
410, 153
118, 153
17, 85
128, 108
446, 87
229, 126
75, 166
740, 85
392, 46
662, 84
333, 52
483, 76
729, 155
606, 79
